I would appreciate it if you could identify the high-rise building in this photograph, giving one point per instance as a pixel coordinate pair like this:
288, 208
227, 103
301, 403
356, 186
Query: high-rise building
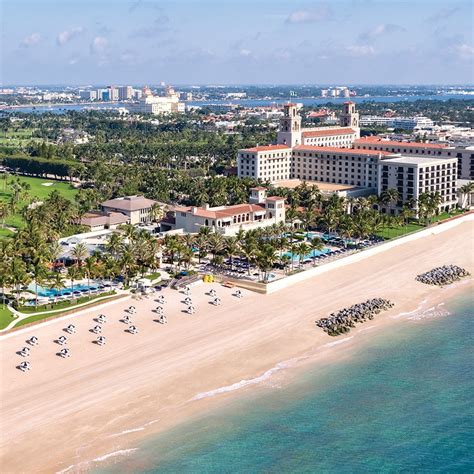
125, 92
113, 93
88, 95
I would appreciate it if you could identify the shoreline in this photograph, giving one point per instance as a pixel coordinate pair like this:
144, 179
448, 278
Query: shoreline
281, 374
100, 399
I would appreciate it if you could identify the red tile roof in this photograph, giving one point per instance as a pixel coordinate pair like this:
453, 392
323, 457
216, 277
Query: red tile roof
257, 149
340, 151
328, 133
228, 211
275, 198
392, 143
319, 113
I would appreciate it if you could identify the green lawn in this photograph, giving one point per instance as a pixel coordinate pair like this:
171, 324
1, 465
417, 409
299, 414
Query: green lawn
392, 232
40, 315
66, 305
5, 317
37, 190
17, 137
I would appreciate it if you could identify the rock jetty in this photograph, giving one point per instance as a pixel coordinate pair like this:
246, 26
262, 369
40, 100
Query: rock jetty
345, 319
443, 275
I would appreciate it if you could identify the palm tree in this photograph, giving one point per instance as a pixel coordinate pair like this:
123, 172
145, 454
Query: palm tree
285, 260
38, 272
231, 248
5, 278
127, 263
346, 229
291, 216
307, 218
216, 244
316, 244
89, 269
156, 212
56, 282
74, 273
249, 250
201, 242
388, 197
407, 214
80, 252
265, 259
4, 213
129, 231
115, 245
465, 190
302, 250
19, 275
187, 257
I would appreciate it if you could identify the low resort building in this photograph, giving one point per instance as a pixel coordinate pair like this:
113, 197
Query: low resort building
260, 211
114, 212
136, 208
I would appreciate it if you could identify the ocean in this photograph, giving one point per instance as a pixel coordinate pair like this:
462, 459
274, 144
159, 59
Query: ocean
402, 402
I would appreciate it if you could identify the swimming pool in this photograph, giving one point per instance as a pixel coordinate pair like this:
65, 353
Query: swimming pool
312, 254
52, 293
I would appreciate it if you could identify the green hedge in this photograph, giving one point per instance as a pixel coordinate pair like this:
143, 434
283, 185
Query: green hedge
39, 166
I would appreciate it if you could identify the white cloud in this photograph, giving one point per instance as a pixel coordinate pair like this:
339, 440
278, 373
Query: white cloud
73, 61
98, 45
463, 51
359, 51
67, 35
380, 30
310, 16
245, 52
31, 40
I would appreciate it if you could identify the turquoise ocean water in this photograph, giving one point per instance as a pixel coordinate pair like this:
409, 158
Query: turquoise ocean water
403, 402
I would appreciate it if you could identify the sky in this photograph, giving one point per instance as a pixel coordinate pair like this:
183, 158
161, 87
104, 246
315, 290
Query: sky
82, 42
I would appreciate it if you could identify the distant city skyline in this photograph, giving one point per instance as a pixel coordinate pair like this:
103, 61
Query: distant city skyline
364, 42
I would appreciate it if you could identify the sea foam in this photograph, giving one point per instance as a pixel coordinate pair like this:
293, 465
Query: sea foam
340, 341
246, 382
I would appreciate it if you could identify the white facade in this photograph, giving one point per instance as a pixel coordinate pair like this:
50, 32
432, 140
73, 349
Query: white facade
228, 220
464, 155
157, 105
411, 176
267, 163
335, 165
411, 123
290, 132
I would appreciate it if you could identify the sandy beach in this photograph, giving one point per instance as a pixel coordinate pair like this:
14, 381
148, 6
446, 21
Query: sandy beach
65, 413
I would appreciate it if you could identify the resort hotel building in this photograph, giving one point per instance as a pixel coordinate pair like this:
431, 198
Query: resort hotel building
413, 175
115, 212
339, 156
260, 211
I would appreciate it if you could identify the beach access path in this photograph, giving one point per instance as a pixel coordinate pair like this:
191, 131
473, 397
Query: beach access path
67, 412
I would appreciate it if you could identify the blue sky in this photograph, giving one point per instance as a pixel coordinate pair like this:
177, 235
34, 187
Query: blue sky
237, 42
